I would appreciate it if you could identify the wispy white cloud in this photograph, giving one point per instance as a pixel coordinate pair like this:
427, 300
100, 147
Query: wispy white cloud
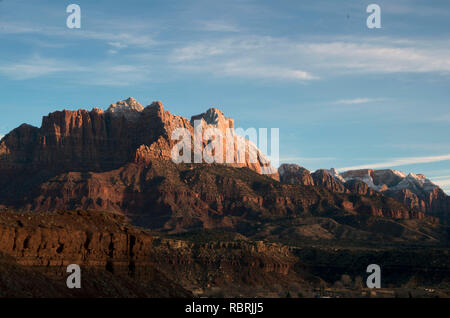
197, 51
430, 146
356, 101
37, 66
250, 57
381, 56
118, 45
118, 75
447, 177
336, 57
306, 159
116, 70
218, 26
399, 162
250, 68
439, 173
14, 28
108, 73
254, 56
443, 182
118, 35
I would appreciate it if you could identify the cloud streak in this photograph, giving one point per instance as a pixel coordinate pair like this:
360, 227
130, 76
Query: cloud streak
357, 101
382, 56
117, 35
108, 73
37, 66
243, 55
442, 183
315, 60
218, 26
306, 159
247, 57
399, 162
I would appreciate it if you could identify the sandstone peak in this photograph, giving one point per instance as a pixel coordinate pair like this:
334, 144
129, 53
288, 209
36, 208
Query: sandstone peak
97, 110
155, 107
214, 117
295, 174
329, 179
128, 108
287, 168
335, 174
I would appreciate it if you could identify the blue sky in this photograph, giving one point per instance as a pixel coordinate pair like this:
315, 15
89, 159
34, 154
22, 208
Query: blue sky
342, 95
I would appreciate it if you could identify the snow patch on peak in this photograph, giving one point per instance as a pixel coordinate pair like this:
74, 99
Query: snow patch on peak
367, 179
336, 174
214, 117
418, 177
378, 180
398, 173
389, 179
129, 108
415, 183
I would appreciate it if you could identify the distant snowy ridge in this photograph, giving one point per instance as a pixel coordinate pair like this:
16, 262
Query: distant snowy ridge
387, 179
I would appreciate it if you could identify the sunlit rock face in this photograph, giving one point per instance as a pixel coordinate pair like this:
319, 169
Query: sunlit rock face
100, 141
237, 150
129, 108
295, 174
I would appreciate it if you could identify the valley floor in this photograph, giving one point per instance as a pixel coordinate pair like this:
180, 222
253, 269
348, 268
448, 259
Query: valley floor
121, 260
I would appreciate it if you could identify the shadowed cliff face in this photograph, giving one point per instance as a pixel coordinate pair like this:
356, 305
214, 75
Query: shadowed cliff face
118, 260
175, 198
82, 238
115, 258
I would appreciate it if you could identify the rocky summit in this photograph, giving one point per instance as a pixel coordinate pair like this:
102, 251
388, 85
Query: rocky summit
129, 108
414, 191
100, 189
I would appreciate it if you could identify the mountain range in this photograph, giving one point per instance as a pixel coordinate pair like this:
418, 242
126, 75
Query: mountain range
415, 191
91, 166
108, 159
